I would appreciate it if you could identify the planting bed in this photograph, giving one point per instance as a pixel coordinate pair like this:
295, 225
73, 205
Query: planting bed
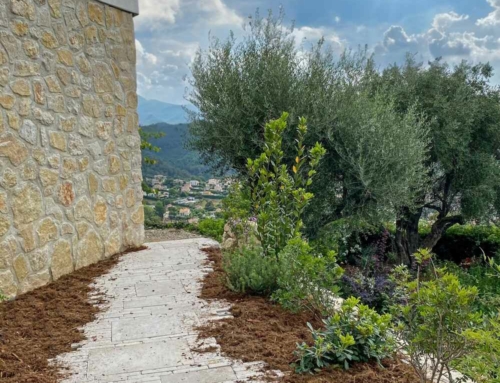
263, 331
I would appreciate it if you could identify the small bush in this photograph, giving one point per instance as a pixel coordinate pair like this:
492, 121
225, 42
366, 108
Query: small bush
279, 192
433, 323
356, 333
482, 364
249, 271
306, 279
213, 228
488, 285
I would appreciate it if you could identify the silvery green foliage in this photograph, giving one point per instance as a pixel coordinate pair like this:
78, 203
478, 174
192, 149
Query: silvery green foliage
375, 156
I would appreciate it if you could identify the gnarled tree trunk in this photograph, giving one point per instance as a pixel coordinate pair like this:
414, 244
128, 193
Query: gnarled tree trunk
407, 237
439, 228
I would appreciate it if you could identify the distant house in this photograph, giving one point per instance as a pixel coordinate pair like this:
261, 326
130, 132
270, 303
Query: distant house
186, 188
178, 182
206, 192
218, 188
185, 212
194, 183
213, 181
193, 221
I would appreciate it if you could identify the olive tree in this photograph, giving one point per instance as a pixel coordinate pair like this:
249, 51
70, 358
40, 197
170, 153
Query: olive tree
462, 111
375, 156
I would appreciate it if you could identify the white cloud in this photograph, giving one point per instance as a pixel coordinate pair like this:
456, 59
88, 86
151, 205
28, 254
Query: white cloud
337, 19
312, 35
161, 15
450, 35
494, 17
444, 21
154, 14
218, 13
143, 56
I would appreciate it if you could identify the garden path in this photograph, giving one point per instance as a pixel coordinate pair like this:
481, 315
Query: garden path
146, 332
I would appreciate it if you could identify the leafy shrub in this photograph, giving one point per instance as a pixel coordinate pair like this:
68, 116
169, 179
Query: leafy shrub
356, 333
482, 277
249, 271
237, 205
151, 219
3, 297
306, 279
279, 195
482, 364
213, 228
438, 314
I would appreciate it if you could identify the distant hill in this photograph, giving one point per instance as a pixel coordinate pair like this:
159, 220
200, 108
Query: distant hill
154, 111
174, 160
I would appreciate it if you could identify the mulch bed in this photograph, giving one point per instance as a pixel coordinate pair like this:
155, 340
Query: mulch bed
44, 323
263, 331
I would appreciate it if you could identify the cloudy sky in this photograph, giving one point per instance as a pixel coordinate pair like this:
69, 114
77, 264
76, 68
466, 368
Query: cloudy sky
169, 32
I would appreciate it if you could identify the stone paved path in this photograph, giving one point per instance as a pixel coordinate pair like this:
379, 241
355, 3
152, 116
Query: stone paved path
146, 334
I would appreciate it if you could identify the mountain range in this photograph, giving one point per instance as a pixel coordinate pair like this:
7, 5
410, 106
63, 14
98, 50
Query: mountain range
154, 111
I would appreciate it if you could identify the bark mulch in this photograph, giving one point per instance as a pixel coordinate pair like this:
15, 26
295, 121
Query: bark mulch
263, 331
44, 323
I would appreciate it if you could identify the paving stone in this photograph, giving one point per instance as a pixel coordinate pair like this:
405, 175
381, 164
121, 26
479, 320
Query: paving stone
216, 375
168, 287
148, 327
157, 300
138, 357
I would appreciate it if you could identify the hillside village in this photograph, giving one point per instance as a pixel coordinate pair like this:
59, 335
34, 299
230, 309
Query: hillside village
188, 200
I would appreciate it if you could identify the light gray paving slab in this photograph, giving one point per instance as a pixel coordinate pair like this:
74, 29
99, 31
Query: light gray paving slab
216, 375
146, 329
165, 287
156, 300
153, 326
138, 357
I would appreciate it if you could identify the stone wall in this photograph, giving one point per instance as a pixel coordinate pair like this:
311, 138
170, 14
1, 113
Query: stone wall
70, 161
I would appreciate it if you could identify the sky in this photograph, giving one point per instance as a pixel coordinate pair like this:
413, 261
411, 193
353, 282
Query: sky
169, 32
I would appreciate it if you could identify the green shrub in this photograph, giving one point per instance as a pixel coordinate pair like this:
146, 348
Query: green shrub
3, 297
482, 277
213, 228
249, 271
278, 194
433, 323
356, 333
306, 280
482, 364
151, 219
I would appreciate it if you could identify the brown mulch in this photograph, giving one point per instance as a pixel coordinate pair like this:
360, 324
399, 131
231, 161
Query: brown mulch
44, 323
263, 331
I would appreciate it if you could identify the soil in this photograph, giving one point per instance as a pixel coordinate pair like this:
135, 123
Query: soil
263, 331
160, 235
39, 325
